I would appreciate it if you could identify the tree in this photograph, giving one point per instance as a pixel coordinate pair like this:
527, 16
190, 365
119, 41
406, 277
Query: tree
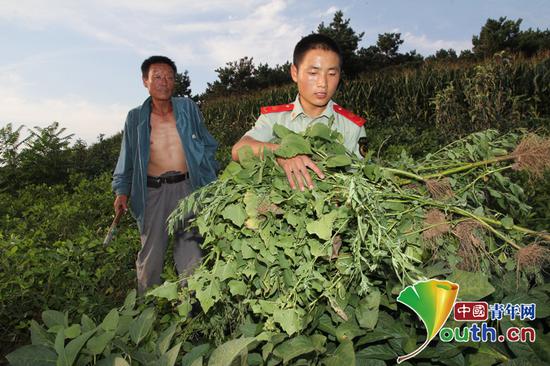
235, 77
348, 40
531, 41
46, 157
388, 44
467, 55
182, 85
443, 54
266, 76
10, 143
495, 36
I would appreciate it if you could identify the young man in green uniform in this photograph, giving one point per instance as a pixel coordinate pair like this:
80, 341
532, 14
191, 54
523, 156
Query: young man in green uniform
316, 69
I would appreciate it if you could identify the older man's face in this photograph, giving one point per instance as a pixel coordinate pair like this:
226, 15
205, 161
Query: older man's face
160, 81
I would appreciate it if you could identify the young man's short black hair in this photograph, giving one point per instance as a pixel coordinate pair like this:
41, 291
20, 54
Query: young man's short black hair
156, 60
312, 42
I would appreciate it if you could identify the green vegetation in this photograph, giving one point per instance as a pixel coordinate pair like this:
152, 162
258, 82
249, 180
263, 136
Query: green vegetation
312, 277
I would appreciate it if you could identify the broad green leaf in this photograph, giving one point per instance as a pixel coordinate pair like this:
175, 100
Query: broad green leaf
59, 344
231, 170
226, 353
111, 320
97, 344
378, 352
237, 287
343, 355
538, 350
317, 249
197, 362
295, 347
367, 310
68, 356
32, 355
184, 308
348, 331
124, 323
281, 131
165, 338
292, 145
39, 336
338, 161
291, 320
113, 360
473, 286
87, 323
141, 326
130, 300
169, 358
72, 332
235, 213
486, 354
507, 222
208, 295
319, 130
196, 353
168, 290
322, 227
246, 154
52, 318
226, 270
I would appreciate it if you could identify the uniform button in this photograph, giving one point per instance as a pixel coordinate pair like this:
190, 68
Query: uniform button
193, 136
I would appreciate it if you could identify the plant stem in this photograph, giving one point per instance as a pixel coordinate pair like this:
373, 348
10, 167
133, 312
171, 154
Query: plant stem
457, 169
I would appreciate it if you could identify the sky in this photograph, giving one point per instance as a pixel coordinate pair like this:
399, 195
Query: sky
78, 62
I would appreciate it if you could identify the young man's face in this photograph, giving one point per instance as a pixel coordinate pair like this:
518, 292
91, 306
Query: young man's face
160, 81
317, 77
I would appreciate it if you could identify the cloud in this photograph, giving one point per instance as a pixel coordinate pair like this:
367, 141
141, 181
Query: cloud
426, 46
330, 11
80, 117
265, 34
186, 29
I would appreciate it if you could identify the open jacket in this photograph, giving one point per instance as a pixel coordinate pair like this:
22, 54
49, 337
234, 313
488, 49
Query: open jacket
130, 175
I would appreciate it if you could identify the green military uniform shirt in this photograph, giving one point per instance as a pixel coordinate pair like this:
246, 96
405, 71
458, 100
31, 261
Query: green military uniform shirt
292, 116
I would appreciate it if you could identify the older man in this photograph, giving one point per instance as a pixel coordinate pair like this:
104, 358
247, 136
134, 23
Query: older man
166, 153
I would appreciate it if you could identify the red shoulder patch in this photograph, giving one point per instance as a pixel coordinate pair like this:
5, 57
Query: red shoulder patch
277, 108
352, 117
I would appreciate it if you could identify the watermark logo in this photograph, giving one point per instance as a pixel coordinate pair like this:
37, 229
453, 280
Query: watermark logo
434, 301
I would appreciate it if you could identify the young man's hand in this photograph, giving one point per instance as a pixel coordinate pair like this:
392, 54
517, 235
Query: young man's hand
296, 170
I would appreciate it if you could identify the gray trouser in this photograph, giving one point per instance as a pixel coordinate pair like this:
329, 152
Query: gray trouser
154, 236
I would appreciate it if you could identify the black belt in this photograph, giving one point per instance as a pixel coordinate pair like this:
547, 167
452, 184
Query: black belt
156, 182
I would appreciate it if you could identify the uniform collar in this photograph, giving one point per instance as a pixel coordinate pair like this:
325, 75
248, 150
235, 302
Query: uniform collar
298, 110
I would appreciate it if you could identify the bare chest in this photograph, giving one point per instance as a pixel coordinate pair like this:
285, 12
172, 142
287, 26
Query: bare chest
166, 148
